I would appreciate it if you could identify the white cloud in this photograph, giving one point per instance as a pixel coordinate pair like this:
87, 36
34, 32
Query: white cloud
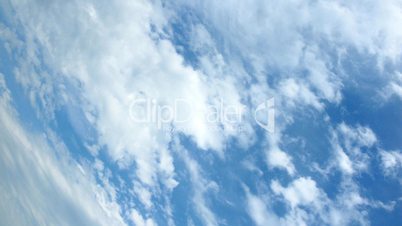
367, 28
296, 52
144, 195
259, 212
320, 76
360, 136
344, 162
310, 205
391, 162
302, 191
348, 143
279, 159
262, 214
139, 220
109, 59
394, 87
114, 61
298, 94
275, 157
38, 188
200, 188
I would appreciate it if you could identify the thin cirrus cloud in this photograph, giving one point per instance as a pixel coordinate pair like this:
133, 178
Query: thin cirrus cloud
37, 188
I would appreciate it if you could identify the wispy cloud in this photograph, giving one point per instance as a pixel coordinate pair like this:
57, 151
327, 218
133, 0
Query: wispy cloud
41, 184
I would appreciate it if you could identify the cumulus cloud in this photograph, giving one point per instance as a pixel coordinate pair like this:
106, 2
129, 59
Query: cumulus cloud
308, 204
109, 60
279, 159
141, 64
301, 192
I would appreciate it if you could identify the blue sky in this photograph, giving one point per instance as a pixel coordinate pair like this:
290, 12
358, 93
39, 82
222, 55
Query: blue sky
146, 113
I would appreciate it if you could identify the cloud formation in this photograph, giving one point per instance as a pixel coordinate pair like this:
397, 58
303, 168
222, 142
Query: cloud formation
39, 181
91, 60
